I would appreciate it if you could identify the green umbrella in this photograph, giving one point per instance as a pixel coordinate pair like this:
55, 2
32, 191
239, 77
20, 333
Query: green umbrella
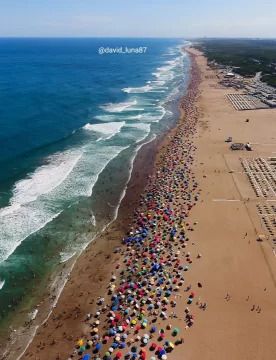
107, 353
175, 330
83, 348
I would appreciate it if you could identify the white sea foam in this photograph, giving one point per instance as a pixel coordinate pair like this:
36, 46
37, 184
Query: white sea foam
44, 180
166, 68
138, 90
38, 208
66, 255
111, 118
158, 82
2, 283
108, 129
156, 74
119, 107
17, 226
33, 314
140, 126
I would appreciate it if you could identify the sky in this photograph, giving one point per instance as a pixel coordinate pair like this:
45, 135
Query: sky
138, 18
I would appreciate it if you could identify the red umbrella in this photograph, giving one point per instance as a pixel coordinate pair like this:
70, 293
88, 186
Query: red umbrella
154, 345
119, 355
143, 356
159, 348
162, 336
192, 294
118, 317
138, 327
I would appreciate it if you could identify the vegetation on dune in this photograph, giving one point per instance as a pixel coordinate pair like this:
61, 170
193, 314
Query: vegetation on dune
247, 57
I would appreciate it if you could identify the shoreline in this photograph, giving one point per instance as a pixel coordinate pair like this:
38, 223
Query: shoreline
146, 155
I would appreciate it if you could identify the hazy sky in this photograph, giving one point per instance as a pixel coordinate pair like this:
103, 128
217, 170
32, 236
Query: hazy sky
139, 18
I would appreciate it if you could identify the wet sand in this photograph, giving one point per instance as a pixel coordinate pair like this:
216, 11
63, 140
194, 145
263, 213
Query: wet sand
233, 263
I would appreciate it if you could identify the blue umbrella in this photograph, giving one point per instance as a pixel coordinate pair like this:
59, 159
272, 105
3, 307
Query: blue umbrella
98, 346
162, 352
86, 357
122, 345
153, 329
114, 345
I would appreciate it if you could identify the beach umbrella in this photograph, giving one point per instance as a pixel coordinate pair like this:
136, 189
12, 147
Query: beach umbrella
111, 350
80, 342
83, 348
152, 358
97, 322
154, 345
134, 356
117, 338
164, 357
90, 342
176, 330
95, 330
118, 355
107, 353
122, 345
153, 329
125, 336
106, 338
98, 346
162, 352
86, 357
114, 345
138, 338
146, 336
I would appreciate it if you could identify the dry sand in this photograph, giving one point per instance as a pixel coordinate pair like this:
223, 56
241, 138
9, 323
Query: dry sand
231, 262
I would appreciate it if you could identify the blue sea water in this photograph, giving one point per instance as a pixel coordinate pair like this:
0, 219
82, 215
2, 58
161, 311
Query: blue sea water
68, 118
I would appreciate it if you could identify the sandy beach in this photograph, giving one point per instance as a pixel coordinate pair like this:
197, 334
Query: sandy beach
232, 313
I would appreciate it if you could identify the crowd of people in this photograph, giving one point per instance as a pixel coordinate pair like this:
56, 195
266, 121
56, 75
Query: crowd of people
148, 290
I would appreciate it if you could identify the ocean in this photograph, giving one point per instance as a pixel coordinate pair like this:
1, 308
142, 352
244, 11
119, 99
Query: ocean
71, 123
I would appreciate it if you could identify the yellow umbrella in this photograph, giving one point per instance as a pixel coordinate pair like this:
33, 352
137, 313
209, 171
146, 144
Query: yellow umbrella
133, 322
80, 342
171, 345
